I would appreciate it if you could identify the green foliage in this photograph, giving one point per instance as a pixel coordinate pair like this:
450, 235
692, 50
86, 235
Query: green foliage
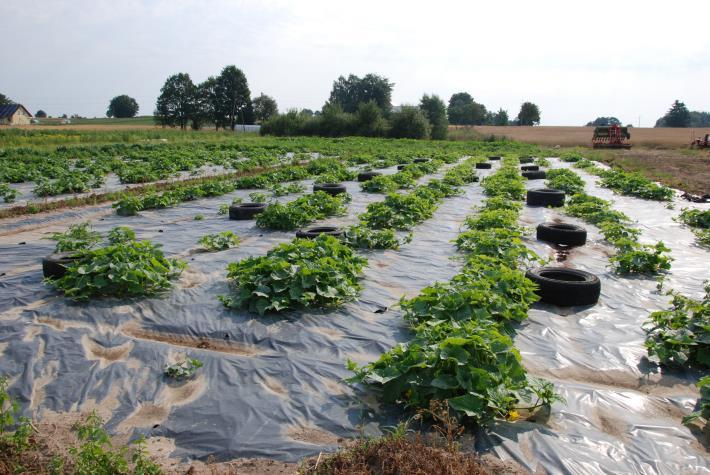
703, 412
219, 241
9, 417
388, 183
399, 211
635, 258
122, 107
501, 243
94, 455
352, 91
264, 107
279, 189
128, 205
121, 234
199, 217
302, 211
488, 219
183, 369
677, 116
680, 336
258, 197
463, 110
695, 218
77, 237
409, 123
361, 237
529, 114
634, 184
435, 110
565, 180
223, 209
506, 183
308, 273
128, 269
7, 193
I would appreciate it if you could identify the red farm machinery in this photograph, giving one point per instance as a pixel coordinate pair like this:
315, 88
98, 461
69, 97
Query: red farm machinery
611, 136
701, 143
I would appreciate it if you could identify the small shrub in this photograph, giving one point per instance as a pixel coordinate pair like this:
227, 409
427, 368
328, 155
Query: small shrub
183, 369
128, 269
321, 272
219, 241
77, 237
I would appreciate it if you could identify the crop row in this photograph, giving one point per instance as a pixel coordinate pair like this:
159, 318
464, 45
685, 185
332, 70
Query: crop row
622, 182
461, 349
699, 222
632, 257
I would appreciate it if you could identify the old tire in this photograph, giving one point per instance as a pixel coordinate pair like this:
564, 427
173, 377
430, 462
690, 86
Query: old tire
312, 233
483, 165
526, 159
536, 175
330, 188
420, 160
565, 287
494, 157
562, 233
55, 265
244, 211
366, 176
530, 168
545, 197
401, 166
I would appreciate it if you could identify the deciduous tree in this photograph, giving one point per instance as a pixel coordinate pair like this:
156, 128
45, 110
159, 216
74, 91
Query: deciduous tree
176, 103
350, 92
264, 107
122, 107
233, 97
435, 110
529, 114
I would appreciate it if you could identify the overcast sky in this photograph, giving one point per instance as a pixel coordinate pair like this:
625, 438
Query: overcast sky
576, 59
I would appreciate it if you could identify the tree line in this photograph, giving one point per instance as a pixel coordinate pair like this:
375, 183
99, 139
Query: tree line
363, 106
679, 116
223, 101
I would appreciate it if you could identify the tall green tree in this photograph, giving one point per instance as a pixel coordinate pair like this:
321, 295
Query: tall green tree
463, 110
4, 100
409, 123
350, 92
122, 107
529, 114
206, 104
603, 122
176, 103
677, 116
500, 117
369, 120
233, 97
264, 107
40, 114
435, 110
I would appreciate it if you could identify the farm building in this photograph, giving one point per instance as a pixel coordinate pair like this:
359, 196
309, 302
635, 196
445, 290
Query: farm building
14, 114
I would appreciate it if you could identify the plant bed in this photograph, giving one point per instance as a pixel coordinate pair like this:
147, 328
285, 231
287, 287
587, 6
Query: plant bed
244, 211
305, 273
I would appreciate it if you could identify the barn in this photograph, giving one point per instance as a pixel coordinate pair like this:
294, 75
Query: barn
14, 114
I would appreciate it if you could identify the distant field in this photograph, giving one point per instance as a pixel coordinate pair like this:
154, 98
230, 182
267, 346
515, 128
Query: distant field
582, 136
100, 122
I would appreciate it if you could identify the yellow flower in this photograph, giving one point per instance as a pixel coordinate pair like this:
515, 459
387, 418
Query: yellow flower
513, 416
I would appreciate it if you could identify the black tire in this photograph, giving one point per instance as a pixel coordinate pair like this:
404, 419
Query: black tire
562, 233
401, 166
483, 165
526, 159
536, 175
420, 160
312, 233
546, 197
245, 211
55, 265
494, 157
530, 168
330, 188
366, 176
565, 287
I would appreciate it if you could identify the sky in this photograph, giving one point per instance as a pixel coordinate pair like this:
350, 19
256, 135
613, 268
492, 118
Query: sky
577, 60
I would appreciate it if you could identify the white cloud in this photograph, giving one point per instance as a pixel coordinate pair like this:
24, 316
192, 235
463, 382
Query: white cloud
577, 60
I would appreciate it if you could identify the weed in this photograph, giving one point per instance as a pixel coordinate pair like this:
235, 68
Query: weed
183, 369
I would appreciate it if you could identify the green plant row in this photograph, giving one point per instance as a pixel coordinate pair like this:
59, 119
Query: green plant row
622, 182
461, 349
565, 180
699, 221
